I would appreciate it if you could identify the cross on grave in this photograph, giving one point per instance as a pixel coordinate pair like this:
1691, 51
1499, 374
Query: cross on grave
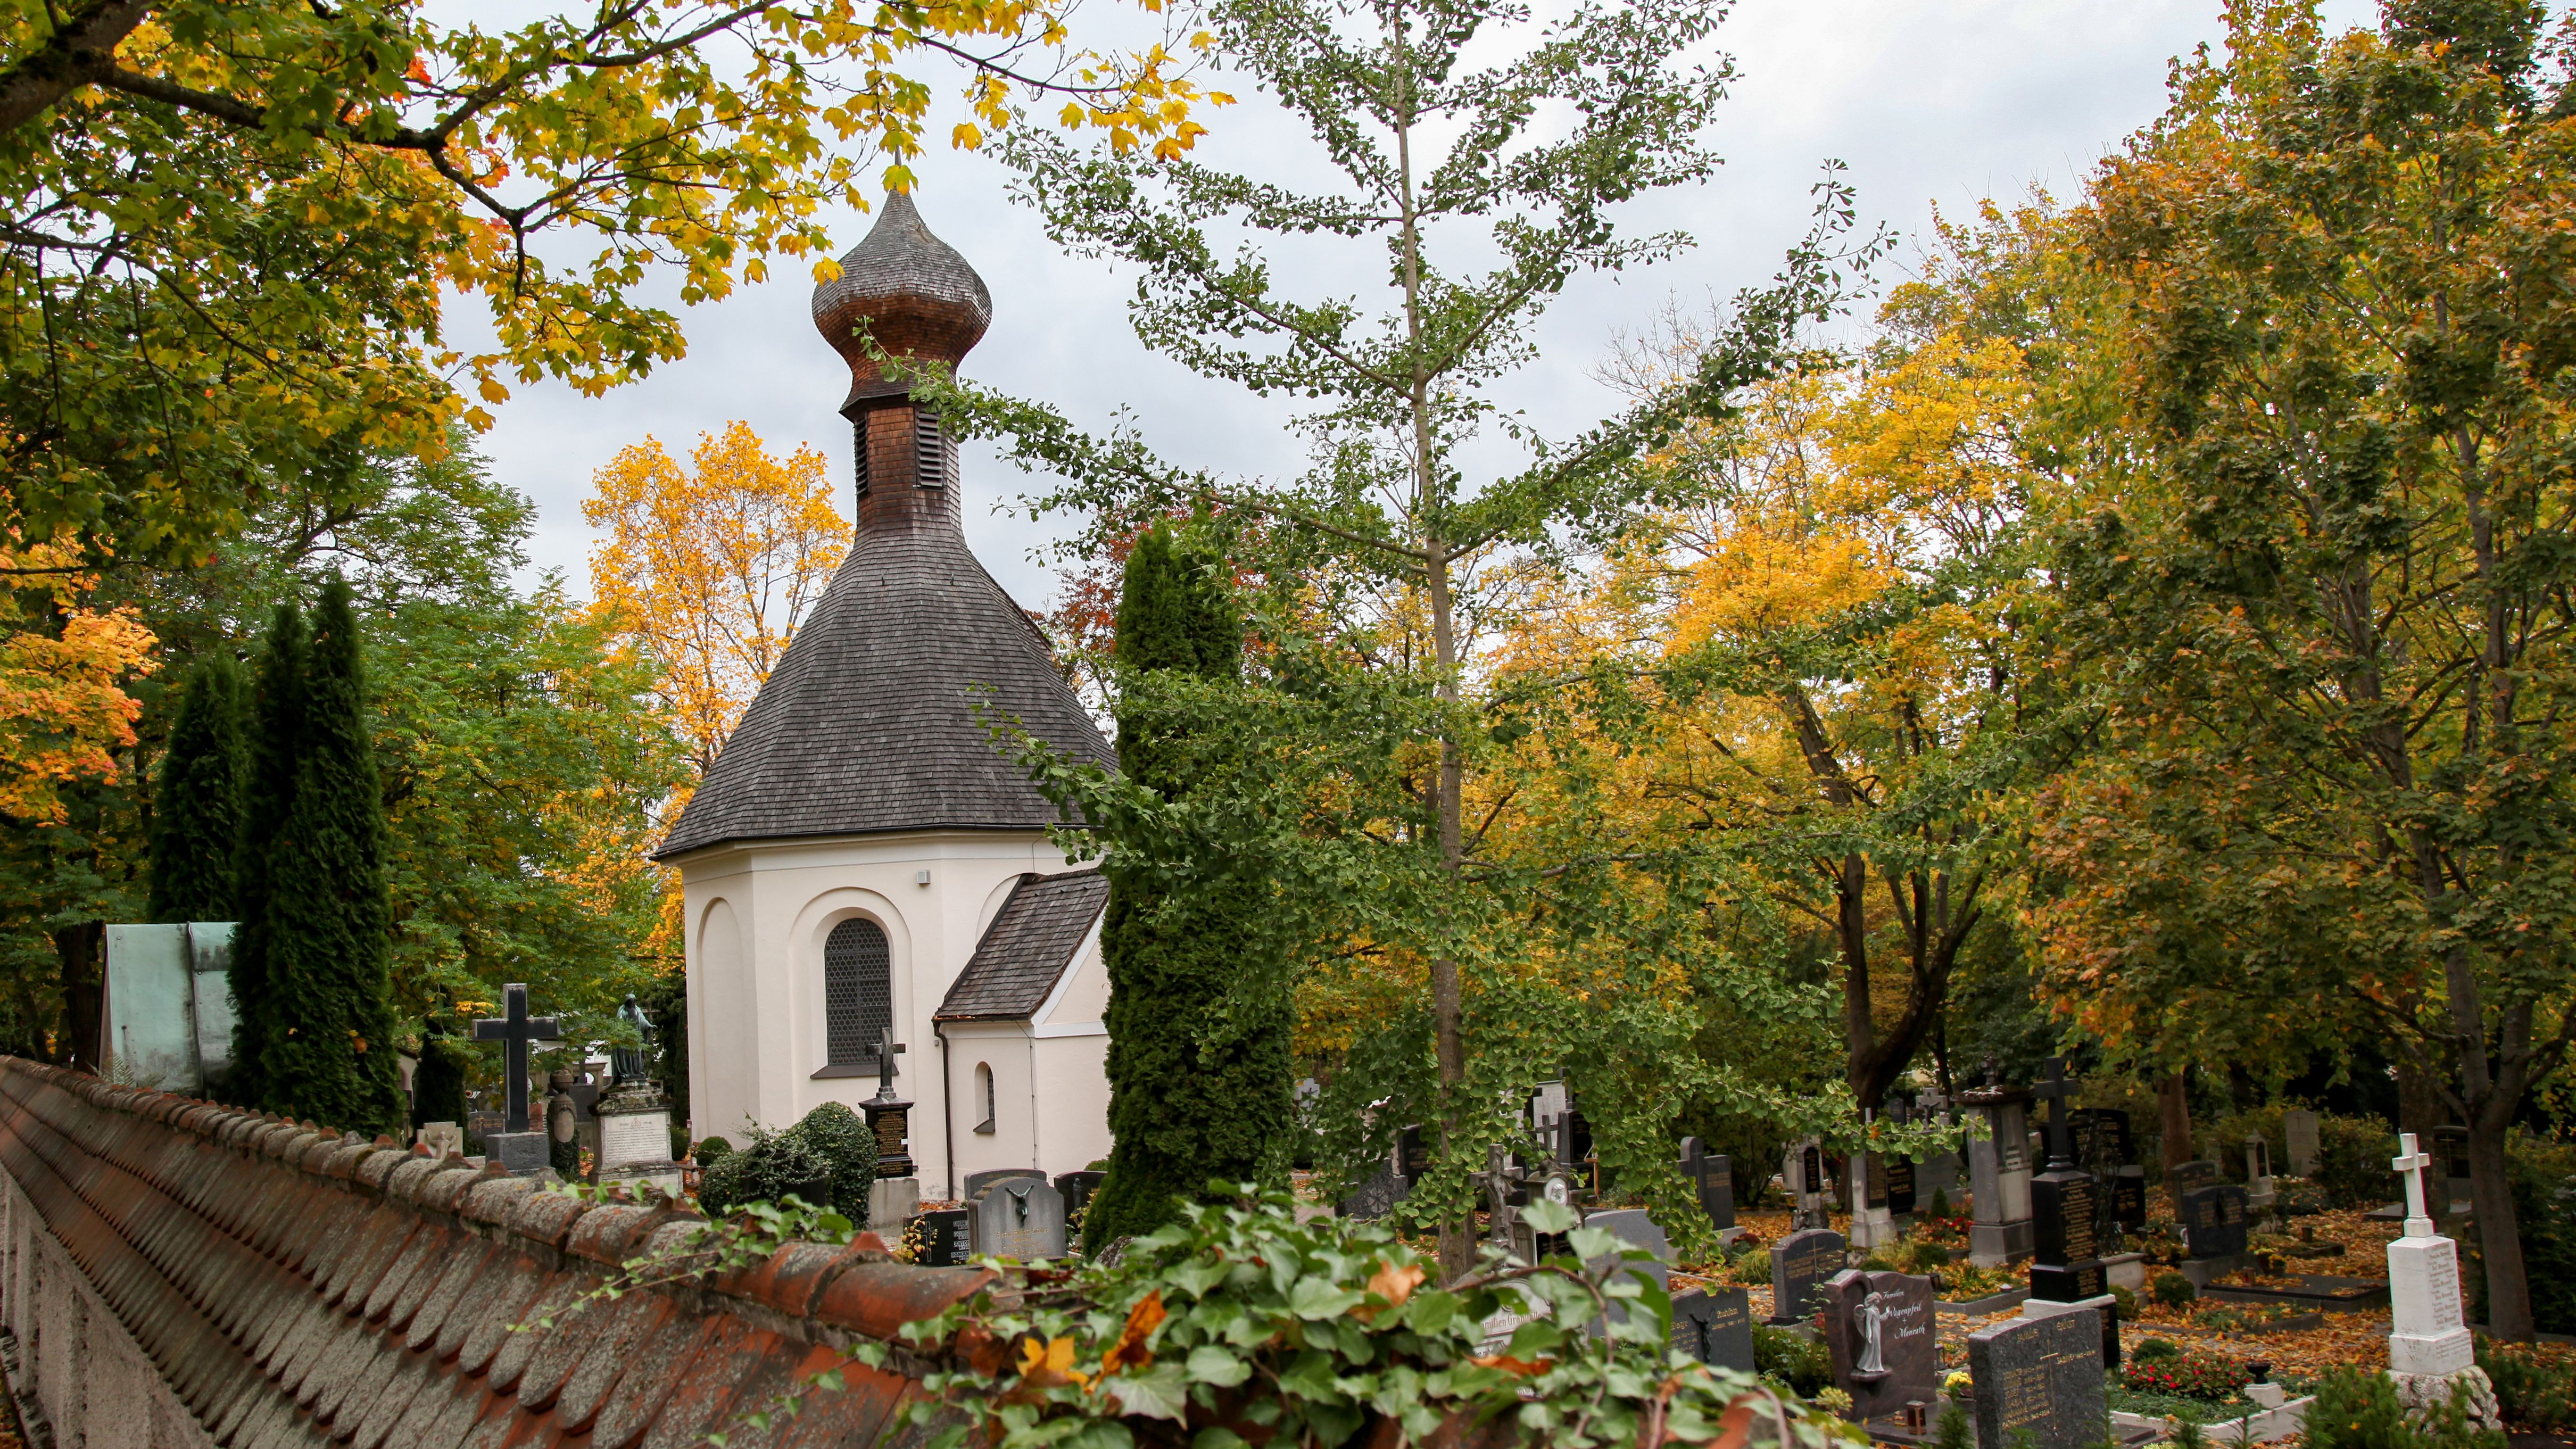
2055, 1091
2411, 1161
887, 1050
514, 1030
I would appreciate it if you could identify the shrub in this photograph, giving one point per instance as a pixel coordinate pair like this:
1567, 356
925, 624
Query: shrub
2358, 1409
1954, 1431
829, 1159
712, 1150
2192, 1373
2352, 1162
2541, 1171
1940, 1205
1923, 1255
2173, 1290
2535, 1388
2125, 1303
1787, 1357
1753, 1269
2152, 1350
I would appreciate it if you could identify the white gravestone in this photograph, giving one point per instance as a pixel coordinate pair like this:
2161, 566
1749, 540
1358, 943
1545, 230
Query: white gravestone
442, 1139
635, 1140
2429, 1349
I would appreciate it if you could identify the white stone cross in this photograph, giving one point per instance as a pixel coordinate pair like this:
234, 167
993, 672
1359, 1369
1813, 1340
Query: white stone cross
2411, 1164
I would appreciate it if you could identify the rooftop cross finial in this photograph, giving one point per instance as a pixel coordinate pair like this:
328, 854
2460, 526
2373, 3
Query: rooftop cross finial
514, 1029
2411, 1162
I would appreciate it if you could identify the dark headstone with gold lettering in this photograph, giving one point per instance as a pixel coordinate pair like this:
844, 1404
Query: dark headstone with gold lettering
2041, 1377
1800, 1263
1715, 1327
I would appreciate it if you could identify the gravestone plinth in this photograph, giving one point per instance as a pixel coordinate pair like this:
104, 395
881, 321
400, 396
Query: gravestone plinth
635, 1139
1800, 1264
2042, 1377
1880, 1330
1020, 1217
1715, 1327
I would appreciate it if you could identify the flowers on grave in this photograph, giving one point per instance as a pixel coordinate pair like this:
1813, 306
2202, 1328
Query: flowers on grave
2190, 1373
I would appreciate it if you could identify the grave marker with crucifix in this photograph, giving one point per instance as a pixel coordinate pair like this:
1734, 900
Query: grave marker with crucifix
2429, 1347
514, 1148
2066, 1219
895, 1196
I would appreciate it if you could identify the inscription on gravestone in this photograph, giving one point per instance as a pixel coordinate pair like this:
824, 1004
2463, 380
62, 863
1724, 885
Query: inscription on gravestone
1800, 1264
947, 1238
1900, 1185
2042, 1377
2184, 1178
1715, 1328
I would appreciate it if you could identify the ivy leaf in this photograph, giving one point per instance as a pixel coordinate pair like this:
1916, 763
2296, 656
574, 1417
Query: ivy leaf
1160, 1392
1210, 1364
1549, 1217
1319, 1298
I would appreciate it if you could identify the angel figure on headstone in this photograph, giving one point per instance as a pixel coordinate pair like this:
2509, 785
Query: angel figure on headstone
1873, 1331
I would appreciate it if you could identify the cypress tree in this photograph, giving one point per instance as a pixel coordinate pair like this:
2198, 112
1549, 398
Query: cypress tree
277, 709
196, 802
331, 1052
1194, 1094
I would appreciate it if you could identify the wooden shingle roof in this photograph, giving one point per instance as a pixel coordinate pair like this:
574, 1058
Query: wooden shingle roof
1027, 949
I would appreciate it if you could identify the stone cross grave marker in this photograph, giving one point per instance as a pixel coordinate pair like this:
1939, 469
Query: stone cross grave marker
2300, 1137
515, 1148
2040, 1376
1637, 1229
1713, 1179
1715, 1327
2430, 1338
1020, 1217
1880, 1330
1800, 1263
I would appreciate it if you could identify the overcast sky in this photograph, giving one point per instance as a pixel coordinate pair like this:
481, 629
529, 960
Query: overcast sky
1932, 103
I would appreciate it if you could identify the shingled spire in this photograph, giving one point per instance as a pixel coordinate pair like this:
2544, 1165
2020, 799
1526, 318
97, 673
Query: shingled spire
868, 724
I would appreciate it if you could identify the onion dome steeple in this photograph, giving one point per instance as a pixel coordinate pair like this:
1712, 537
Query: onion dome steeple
912, 292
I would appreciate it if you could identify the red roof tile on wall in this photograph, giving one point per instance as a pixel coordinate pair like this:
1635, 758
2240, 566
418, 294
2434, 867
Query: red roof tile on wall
297, 1286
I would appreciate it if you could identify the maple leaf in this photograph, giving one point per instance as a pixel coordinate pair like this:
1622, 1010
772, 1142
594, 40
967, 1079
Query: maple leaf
1130, 1350
1392, 1283
1510, 1365
1043, 1366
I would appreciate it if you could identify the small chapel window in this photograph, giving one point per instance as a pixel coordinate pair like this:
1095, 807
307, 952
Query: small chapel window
858, 992
984, 1095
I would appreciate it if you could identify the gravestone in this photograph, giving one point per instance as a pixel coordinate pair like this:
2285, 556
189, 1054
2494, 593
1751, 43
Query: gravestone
1712, 1180
2129, 1198
1020, 1217
633, 1121
947, 1238
2042, 1377
2185, 1178
1881, 1332
1999, 1175
1900, 1186
976, 1182
1376, 1196
1800, 1264
2259, 1191
1637, 1229
514, 1148
1078, 1188
443, 1139
2214, 1221
1873, 1223
1802, 1172
479, 1126
2300, 1138
2451, 1149
1715, 1327
2429, 1349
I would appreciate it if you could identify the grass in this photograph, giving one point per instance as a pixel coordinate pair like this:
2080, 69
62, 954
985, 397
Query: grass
2169, 1406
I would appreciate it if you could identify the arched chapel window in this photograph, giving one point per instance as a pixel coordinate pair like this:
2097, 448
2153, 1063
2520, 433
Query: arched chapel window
985, 1096
858, 992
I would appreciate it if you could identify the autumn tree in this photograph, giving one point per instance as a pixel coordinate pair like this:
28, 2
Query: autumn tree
2316, 559
1460, 219
706, 573
226, 229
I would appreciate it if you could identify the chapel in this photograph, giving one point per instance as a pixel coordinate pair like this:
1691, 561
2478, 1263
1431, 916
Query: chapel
861, 858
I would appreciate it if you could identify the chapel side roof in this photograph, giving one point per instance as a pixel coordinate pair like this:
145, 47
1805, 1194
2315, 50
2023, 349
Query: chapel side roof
1026, 950
869, 723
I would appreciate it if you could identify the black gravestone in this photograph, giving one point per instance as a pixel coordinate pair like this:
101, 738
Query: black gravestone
1077, 1188
2214, 1221
1882, 1335
2065, 1222
947, 1238
2042, 1377
1800, 1264
1713, 1179
1412, 1155
1377, 1196
1715, 1328
2129, 1199
1900, 1185
1873, 1179
2185, 1178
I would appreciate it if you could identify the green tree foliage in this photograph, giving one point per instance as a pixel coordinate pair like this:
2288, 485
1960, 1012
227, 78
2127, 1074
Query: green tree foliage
438, 1083
829, 1153
329, 1050
1385, 567
197, 798
2358, 1409
1200, 1076
276, 744
2314, 560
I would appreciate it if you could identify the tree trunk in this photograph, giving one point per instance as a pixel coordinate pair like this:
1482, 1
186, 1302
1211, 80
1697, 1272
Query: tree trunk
2499, 1237
2173, 1118
1851, 927
84, 981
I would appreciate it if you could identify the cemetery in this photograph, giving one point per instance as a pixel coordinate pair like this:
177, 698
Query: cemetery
1347, 734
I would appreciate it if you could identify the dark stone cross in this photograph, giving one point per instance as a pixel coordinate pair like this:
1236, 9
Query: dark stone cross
2055, 1091
887, 1050
514, 1030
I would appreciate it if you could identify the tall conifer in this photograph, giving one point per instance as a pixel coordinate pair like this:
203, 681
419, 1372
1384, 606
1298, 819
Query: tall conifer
277, 710
196, 802
1196, 1091
331, 1056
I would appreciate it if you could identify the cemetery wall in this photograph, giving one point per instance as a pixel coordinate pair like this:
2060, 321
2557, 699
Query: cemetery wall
178, 1273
